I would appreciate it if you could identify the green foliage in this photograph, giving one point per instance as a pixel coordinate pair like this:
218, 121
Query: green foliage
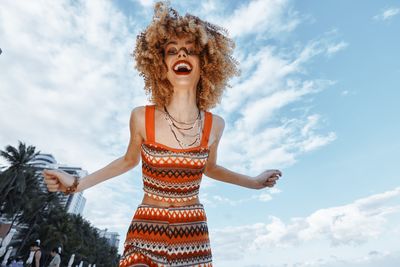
75, 235
19, 182
42, 217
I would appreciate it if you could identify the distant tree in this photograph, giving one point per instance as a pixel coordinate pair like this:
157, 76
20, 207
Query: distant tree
44, 218
36, 221
18, 182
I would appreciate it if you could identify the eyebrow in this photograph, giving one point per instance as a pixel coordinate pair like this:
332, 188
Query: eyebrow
175, 43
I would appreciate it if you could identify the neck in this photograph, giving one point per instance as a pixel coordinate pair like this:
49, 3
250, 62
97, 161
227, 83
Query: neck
183, 105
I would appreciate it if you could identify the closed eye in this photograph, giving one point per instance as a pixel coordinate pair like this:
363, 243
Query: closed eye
191, 51
172, 51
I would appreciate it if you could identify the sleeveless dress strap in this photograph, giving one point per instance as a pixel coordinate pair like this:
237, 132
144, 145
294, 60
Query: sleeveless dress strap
149, 121
206, 129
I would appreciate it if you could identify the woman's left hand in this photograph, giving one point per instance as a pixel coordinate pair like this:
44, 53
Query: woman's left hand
267, 178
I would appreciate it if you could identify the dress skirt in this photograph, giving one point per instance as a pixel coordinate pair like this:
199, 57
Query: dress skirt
167, 236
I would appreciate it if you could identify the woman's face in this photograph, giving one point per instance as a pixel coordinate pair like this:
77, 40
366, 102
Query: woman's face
183, 62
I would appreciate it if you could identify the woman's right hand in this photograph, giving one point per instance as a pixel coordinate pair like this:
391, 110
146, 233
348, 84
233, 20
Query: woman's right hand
57, 180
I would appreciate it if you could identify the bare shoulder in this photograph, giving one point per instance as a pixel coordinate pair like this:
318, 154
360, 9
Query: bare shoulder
218, 122
218, 125
137, 120
138, 114
138, 111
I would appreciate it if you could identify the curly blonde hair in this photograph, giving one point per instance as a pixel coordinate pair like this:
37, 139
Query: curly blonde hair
213, 45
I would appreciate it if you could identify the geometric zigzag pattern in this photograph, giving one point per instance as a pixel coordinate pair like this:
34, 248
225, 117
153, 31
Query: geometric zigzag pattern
172, 176
161, 236
167, 236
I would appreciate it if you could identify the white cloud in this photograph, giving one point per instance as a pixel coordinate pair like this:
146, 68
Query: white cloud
372, 259
275, 190
272, 147
387, 14
267, 70
265, 197
272, 82
362, 221
267, 17
334, 48
260, 110
146, 3
68, 85
208, 6
311, 140
347, 93
218, 200
68, 78
315, 142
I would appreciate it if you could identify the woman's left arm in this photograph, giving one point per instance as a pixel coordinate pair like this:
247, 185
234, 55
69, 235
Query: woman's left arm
267, 178
37, 257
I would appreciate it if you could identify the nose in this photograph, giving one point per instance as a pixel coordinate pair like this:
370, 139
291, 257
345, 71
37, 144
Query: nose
182, 53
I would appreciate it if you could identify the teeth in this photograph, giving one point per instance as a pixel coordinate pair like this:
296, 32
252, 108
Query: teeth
182, 65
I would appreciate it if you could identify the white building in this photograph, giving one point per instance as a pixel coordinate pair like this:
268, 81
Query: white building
77, 203
112, 237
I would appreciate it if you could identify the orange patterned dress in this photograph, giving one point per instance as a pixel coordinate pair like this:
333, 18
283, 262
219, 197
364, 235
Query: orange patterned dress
176, 235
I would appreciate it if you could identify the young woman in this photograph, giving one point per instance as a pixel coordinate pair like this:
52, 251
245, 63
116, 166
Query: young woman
56, 260
186, 63
36, 258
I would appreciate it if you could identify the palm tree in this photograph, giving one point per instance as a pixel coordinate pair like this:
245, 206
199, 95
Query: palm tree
35, 217
42, 216
18, 182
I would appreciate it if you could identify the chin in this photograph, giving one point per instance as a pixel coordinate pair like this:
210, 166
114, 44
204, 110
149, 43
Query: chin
183, 81
183, 84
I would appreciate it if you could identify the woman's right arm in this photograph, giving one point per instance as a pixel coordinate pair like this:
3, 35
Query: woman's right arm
57, 180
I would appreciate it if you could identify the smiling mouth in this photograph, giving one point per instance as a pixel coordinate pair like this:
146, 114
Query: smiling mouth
182, 67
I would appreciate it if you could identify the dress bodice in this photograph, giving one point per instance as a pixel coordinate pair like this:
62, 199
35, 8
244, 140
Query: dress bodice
172, 174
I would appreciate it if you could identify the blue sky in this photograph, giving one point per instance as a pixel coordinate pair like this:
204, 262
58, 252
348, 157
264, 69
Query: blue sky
317, 98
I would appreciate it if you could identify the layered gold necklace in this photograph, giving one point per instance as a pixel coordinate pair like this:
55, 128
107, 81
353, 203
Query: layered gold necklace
183, 128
